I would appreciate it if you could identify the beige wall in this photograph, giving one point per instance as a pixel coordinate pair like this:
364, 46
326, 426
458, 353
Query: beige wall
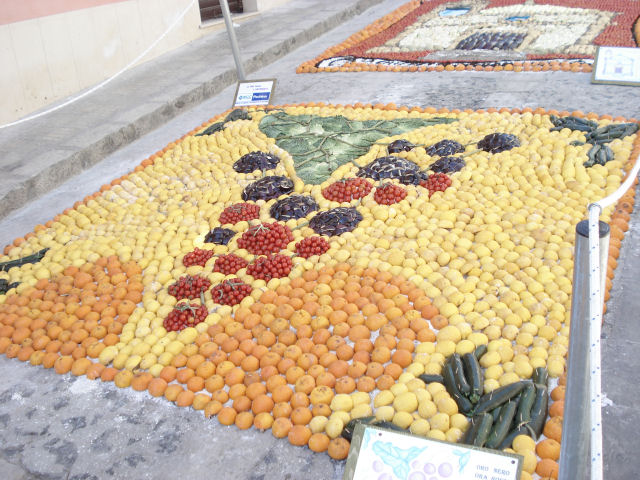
52, 57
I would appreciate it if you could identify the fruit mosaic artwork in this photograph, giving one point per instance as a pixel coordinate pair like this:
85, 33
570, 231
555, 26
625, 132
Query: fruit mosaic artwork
422, 284
498, 35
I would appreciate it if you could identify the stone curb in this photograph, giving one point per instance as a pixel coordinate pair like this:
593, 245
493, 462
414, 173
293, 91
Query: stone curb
56, 173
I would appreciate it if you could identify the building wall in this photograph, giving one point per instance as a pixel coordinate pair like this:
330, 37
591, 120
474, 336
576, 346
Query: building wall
51, 49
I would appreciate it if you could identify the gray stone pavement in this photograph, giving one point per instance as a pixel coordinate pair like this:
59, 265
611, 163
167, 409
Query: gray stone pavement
126, 434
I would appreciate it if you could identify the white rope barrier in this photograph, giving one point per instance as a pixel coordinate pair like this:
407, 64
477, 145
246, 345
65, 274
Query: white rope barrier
108, 80
596, 287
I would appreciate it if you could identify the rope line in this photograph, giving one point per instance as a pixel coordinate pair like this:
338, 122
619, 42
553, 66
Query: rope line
108, 80
596, 286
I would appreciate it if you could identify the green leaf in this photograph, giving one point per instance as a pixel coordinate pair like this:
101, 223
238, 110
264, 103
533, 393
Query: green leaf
319, 145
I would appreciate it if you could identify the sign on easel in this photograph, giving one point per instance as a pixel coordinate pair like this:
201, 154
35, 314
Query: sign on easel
379, 453
617, 65
254, 93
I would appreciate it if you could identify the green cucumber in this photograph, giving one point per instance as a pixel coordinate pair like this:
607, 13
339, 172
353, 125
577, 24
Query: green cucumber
464, 405
472, 430
33, 258
474, 374
497, 397
347, 431
480, 351
458, 375
527, 397
539, 410
388, 425
540, 375
484, 429
426, 378
500, 428
508, 440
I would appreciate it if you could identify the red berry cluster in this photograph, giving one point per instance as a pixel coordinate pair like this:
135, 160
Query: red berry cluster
266, 238
239, 212
310, 246
197, 257
185, 315
229, 264
388, 194
347, 189
271, 266
230, 292
438, 182
189, 287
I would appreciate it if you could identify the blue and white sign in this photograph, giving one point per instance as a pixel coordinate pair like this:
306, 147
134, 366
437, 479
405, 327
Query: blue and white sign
381, 454
254, 93
617, 65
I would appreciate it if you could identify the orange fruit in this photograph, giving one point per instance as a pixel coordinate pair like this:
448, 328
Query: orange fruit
281, 427
553, 428
547, 468
299, 435
548, 448
338, 448
227, 416
244, 420
157, 386
262, 404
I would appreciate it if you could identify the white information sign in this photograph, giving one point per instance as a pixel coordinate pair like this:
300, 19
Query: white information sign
617, 65
381, 454
254, 93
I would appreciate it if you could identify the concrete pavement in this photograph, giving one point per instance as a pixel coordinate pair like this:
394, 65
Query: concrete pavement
60, 427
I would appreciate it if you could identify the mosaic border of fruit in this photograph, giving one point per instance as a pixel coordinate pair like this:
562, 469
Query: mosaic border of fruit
355, 55
329, 415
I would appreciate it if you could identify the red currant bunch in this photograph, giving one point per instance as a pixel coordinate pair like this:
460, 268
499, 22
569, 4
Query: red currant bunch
229, 264
438, 182
271, 266
347, 189
189, 287
239, 212
197, 257
185, 315
388, 194
230, 292
266, 238
309, 246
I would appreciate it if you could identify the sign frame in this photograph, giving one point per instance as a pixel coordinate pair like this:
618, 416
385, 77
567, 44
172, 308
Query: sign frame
625, 55
239, 87
358, 438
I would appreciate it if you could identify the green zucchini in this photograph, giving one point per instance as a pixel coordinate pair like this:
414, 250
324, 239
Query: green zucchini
472, 430
527, 397
426, 378
500, 428
508, 440
480, 351
497, 397
484, 429
33, 258
5, 286
458, 375
464, 405
388, 425
347, 431
540, 375
474, 374
539, 410
495, 413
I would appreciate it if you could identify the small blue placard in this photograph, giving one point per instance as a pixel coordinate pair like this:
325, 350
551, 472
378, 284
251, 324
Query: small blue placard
254, 93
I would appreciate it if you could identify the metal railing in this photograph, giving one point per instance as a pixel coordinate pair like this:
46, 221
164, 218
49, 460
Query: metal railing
582, 424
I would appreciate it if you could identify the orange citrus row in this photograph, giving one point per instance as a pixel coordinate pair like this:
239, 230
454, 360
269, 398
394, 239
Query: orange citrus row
397, 15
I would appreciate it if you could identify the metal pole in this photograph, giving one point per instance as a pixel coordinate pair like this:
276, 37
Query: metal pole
232, 39
574, 450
